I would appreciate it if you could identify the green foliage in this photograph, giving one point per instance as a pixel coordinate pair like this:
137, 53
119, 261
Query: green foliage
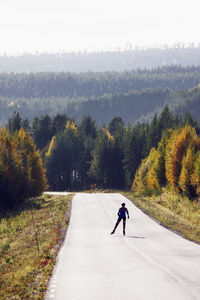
88, 84
133, 96
63, 159
88, 128
116, 125
106, 166
78, 155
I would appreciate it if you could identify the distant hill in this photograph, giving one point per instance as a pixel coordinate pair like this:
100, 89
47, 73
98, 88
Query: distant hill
125, 60
186, 101
71, 85
131, 107
135, 95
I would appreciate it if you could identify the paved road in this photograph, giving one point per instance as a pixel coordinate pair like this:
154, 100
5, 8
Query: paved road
150, 262
58, 193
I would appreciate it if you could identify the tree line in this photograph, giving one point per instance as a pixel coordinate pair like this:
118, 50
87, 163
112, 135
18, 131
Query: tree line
131, 107
116, 60
22, 174
65, 155
174, 163
77, 155
132, 95
86, 85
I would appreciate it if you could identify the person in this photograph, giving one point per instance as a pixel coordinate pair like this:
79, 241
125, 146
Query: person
123, 211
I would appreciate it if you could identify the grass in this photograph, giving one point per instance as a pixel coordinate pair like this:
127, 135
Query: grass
173, 211
29, 242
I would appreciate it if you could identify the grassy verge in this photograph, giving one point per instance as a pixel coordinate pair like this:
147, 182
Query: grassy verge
29, 242
173, 211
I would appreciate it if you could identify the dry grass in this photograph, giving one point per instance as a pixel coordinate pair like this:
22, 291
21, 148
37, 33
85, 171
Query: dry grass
29, 242
173, 211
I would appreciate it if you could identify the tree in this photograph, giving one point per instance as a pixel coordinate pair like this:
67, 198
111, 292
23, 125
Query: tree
187, 170
11, 172
21, 172
42, 131
88, 128
34, 178
116, 125
134, 148
59, 123
106, 165
88, 133
176, 149
62, 159
15, 122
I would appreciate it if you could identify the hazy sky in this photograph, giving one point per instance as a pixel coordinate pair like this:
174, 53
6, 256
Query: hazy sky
73, 25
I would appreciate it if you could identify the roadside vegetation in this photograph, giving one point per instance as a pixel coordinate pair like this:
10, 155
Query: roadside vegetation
167, 183
173, 211
29, 241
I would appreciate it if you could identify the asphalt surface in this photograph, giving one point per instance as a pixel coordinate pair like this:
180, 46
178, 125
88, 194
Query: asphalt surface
150, 262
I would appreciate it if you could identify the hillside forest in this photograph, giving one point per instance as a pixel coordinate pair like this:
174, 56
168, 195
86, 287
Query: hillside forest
117, 60
135, 95
117, 130
78, 155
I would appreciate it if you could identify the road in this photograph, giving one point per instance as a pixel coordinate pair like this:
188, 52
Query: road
150, 262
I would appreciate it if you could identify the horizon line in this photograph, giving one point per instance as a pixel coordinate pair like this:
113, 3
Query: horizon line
117, 49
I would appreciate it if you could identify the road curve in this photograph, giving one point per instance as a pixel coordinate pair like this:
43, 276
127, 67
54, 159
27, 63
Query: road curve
150, 262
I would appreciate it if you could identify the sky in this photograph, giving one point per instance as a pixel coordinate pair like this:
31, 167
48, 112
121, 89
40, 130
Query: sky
30, 26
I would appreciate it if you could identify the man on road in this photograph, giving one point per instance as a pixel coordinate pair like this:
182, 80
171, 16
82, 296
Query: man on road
123, 211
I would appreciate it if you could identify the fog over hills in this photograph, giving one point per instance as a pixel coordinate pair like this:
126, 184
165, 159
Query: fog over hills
133, 84
132, 95
118, 60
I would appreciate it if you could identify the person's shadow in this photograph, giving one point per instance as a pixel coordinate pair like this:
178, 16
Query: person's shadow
135, 237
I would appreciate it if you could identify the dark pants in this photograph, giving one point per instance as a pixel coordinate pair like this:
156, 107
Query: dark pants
124, 224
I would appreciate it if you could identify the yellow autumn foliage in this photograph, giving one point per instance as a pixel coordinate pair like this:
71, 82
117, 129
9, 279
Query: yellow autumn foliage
186, 173
140, 181
51, 147
176, 162
108, 134
152, 178
71, 125
176, 149
195, 176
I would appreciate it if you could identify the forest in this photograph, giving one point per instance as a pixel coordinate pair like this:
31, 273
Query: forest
78, 155
22, 174
174, 163
117, 60
132, 95
117, 130
60, 154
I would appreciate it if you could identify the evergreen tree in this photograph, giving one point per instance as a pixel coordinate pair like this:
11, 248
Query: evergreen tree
116, 125
62, 159
42, 131
106, 166
88, 133
59, 123
15, 122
